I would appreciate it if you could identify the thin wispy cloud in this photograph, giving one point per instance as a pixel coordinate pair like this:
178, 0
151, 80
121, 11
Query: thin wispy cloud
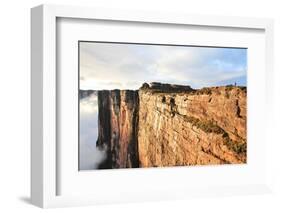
127, 66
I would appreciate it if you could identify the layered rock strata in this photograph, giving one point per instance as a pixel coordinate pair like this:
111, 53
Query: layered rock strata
118, 125
172, 125
201, 127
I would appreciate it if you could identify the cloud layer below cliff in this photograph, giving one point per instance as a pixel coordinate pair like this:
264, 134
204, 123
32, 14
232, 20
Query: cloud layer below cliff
127, 66
90, 156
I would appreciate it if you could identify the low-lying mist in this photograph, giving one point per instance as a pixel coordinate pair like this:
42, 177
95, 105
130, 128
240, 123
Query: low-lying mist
90, 156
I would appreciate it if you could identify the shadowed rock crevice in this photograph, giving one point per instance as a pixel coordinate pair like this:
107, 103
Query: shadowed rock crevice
104, 130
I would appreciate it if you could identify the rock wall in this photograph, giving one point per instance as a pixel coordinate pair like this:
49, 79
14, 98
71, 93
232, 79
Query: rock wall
172, 125
206, 126
118, 124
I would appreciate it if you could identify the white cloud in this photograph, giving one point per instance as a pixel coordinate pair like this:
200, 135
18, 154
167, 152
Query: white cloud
90, 156
127, 66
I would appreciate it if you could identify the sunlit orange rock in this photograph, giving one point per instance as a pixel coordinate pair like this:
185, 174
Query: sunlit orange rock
172, 125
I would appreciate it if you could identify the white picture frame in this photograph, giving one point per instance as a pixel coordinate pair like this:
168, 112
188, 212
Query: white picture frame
44, 149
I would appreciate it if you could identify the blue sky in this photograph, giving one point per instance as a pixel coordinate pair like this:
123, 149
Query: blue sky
127, 66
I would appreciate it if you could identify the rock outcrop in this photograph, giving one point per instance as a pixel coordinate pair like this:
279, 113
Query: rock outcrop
206, 126
172, 125
118, 125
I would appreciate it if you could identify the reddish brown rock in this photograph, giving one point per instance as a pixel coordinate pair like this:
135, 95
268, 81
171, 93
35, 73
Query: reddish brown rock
172, 125
200, 127
118, 124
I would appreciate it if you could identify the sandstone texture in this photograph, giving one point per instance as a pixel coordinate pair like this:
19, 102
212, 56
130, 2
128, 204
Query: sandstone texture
206, 126
118, 125
172, 125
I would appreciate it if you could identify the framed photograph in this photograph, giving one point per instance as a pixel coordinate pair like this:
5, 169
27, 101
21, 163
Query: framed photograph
130, 106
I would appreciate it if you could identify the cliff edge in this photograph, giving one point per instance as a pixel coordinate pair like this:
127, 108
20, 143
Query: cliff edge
172, 125
118, 126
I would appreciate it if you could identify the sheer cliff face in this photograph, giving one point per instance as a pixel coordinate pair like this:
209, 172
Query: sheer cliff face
207, 126
172, 126
118, 124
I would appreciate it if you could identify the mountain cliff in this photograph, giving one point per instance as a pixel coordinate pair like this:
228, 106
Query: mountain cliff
118, 125
172, 125
200, 127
